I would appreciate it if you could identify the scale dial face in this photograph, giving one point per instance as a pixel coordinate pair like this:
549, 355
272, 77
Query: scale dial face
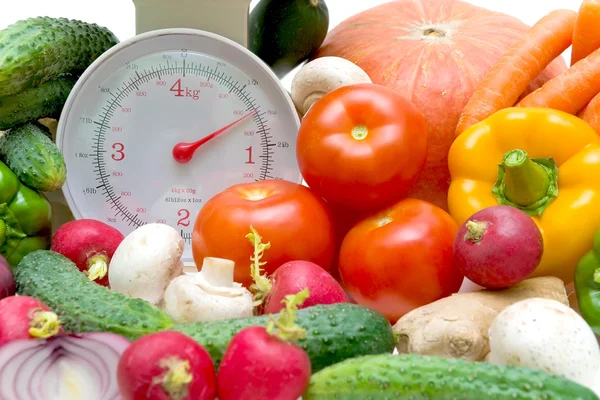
127, 112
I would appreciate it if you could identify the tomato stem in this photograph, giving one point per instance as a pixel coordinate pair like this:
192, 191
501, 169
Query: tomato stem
262, 284
359, 132
286, 328
526, 183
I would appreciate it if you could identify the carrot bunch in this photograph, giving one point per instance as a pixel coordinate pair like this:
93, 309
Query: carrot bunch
576, 91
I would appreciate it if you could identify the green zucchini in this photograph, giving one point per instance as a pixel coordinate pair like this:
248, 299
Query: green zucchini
83, 305
285, 33
30, 153
416, 377
334, 333
36, 50
44, 101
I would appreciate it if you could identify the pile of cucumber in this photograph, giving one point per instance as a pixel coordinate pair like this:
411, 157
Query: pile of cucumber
40, 60
334, 332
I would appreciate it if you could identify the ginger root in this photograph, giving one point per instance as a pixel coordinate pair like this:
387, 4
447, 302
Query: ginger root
457, 326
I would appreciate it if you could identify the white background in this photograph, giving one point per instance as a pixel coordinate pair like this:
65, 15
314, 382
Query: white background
119, 15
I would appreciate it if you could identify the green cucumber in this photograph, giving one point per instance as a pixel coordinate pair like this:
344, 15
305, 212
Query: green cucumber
334, 333
44, 101
83, 305
36, 50
285, 33
416, 377
30, 153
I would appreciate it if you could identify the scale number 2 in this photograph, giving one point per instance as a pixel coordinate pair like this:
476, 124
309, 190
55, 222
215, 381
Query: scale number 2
119, 153
184, 219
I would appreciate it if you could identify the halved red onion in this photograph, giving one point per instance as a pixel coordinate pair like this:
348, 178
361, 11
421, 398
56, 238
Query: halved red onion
68, 367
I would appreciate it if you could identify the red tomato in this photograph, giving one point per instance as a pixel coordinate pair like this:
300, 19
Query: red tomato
362, 146
401, 258
290, 216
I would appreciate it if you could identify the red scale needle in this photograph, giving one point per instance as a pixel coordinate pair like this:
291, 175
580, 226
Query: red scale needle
183, 152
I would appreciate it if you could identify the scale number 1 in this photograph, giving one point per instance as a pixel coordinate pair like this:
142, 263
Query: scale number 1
249, 151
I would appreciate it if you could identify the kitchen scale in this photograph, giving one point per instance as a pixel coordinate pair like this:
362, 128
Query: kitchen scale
162, 122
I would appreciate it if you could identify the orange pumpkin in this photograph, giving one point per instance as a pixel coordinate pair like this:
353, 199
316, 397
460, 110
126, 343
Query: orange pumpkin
434, 52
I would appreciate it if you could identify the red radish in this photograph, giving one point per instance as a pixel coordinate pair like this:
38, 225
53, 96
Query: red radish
290, 278
90, 244
293, 276
8, 286
23, 317
263, 362
498, 247
166, 365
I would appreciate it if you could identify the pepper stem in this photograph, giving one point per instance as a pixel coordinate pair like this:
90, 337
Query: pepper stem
286, 328
262, 284
176, 379
44, 324
597, 275
97, 267
526, 183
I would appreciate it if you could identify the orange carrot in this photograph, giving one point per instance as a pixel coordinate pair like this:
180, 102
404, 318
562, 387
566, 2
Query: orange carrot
585, 35
571, 90
509, 77
591, 113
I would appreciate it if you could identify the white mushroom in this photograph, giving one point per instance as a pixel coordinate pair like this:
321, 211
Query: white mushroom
545, 334
209, 295
321, 76
146, 261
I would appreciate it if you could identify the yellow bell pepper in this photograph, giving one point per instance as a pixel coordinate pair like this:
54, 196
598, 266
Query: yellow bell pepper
542, 161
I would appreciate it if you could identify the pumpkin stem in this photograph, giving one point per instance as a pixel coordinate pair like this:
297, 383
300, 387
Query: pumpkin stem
434, 32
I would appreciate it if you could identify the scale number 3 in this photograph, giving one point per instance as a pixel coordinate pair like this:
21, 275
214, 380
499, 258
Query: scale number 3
119, 153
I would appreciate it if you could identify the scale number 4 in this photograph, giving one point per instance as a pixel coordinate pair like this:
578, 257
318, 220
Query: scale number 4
184, 219
119, 153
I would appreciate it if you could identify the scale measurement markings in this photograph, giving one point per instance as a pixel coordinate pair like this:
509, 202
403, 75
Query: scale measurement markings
123, 92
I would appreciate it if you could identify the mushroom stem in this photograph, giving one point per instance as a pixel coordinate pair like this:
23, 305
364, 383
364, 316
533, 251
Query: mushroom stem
218, 271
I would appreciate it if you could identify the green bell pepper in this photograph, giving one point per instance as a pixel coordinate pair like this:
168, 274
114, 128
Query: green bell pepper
25, 218
587, 285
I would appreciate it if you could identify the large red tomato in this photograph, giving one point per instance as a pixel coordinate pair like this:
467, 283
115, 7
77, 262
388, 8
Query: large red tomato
434, 53
290, 216
400, 258
362, 146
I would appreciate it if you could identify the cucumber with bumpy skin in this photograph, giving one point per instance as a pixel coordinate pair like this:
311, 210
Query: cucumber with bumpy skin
83, 305
333, 333
44, 101
30, 153
36, 50
416, 377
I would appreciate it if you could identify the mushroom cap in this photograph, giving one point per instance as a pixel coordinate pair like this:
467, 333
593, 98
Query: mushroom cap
321, 76
545, 334
146, 261
191, 298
